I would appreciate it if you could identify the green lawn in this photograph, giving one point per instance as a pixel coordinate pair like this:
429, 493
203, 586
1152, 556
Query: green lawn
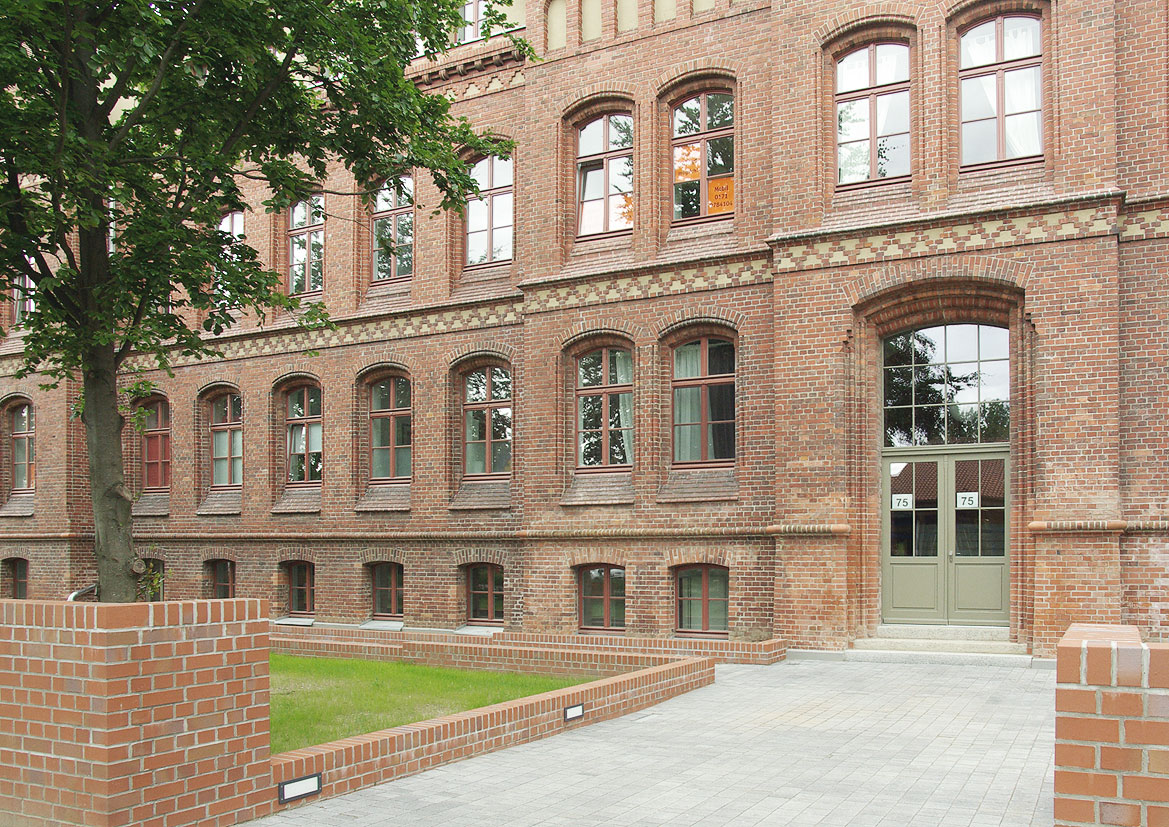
316, 700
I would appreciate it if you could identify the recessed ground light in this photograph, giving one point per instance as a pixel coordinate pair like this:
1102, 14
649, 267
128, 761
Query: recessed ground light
571, 713
299, 788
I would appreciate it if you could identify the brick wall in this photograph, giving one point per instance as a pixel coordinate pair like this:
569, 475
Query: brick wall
1111, 728
143, 714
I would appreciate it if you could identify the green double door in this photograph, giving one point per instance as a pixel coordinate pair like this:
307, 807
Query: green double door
945, 550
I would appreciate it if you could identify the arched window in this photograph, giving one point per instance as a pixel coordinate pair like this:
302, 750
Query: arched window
872, 113
151, 581
303, 423
602, 597
604, 174
232, 223
387, 589
489, 217
227, 441
704, 156
949, 384
487, 420
23, 296
15, 576
704, 400
604, 408
24, 466
306, 245
390, 431
156, 446
485, 593
393, 231
1000, 72
301, 587
703, 596
221, 578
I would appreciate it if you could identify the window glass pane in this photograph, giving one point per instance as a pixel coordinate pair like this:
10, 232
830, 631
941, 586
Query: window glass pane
314, 401
380, 433
898, 387
853, 162
621, 410
594, 611
687, 360
479, 578
296, 468
219, 410
690, 583
620, 131
995, 381
380, 466
1020, 37
620, 212
299, 215
405, 257
929, 425
476, 425
590, 448
620, 367
687, 200
925, 533
687, 118
687, 447
892, 63
893, 156
500, 384
979, 98
500, 457
479, 606
498, 607
720, 156
721, 401
978, 46
219, 443
717, 613
589, 412
1022, 133
720, 358
979, 142
237, 470
996, 421
688, 162
621, 174
617, 614
401, 393
481, 172
477, 215
220, 469
929, 385
993, 342
929, 346
722, 440
593, 582
589, 369
477, 247
500, 423
314, 437
898, 350
961, 343
402, 461
502, 171
717, 580
402, 430
963, 382
925, 484
686, 405
852, 121
720, 110
893, 113
852, 71
296, 439
501, 210
476, 386
966, 531
379, 396
898, 427
962, 424
994, 532
501, 241
617, 582
1021, 90
591, 140
476, 458
621, 447
405, 229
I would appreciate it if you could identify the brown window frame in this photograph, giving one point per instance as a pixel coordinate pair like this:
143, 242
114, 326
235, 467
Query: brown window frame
397, 190
489, 405
23, 297
230, 426
606, 597
27, 438
489, 195
393, 414
305, 421
309, 588
705, 599
16, 569
314, 207
397, 574
214, 569
609, 394
705, 381
492, 619
159, 435
998, 68
472, 29
605, 158
703, 137
872, 92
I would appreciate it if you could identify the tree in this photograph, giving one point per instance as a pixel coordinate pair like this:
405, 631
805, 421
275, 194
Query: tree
126, 130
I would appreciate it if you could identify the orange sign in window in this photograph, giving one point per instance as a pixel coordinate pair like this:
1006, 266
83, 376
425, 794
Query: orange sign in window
720, 195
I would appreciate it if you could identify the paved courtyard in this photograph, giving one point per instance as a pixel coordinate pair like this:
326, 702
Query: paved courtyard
804, 742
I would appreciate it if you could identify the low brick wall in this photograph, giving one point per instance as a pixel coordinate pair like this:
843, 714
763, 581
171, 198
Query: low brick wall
144, 714
1111, 728
353, 763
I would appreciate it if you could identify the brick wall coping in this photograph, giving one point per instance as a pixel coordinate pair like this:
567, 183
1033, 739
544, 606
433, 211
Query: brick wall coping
364, 760
61, 614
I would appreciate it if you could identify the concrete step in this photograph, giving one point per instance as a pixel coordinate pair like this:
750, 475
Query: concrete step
950, 658
908, 630
982, 647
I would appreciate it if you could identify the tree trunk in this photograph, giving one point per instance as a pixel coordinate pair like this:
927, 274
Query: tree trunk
113, 541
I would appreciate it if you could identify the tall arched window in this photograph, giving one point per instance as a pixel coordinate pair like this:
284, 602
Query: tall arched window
1000, 71
306, 245
301, 587
949, 384
487, 421
303, 425
24, 467
387, 589
604, 408
393, 231
703, 594
602, 597
221, 578
490, 216
227, 440
604, 173
390, 432
704, 400
872, 113
704, 156
14, 573
485, 593
156, 446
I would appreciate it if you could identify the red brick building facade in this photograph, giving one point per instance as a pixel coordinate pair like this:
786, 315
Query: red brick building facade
784, 320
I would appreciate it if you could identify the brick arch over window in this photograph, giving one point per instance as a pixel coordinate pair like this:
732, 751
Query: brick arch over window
368, 556
486, 350
218, 553
155, 553
596, 98
293, 554
676, 322
600, 556
374, 372
693, 73
854, 22
469, 556
964, 12
698, 557
600, 328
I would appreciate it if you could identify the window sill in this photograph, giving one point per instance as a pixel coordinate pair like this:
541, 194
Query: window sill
479, 628
221, 502
151, 504
294, 620
476, 495
600, 632
301, 499
600, 488
486, 271
382, 625
696, 634
18, 505
685, 485
390, 496
688, 229
588, 244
